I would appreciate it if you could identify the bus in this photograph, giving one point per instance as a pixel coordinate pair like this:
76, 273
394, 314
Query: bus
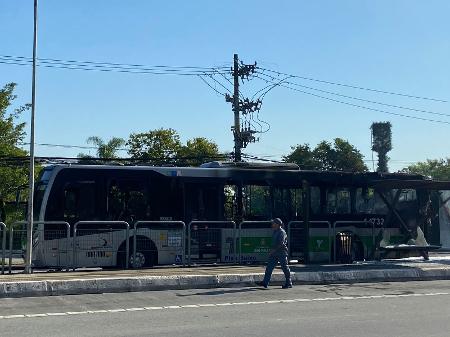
376, 209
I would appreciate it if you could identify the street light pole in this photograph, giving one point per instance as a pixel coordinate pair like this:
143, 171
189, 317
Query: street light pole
29, 253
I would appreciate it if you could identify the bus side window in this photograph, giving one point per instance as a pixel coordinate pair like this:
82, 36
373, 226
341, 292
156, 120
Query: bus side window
287, 203
79, 201
365, 200
316, 204
127, 201
338, 201
257, 202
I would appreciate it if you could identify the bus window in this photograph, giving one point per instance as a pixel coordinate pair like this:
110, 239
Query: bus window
257, 202
338, 201
229, 192
79, 201
127, 201
315, 200
287, 203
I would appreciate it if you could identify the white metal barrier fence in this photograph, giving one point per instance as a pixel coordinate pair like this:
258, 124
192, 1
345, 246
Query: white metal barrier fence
210, 240
106, 224
254, 242
314, 225
173, 241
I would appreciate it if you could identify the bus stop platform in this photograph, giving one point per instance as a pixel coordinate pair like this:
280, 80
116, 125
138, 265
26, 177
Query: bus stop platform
46, 283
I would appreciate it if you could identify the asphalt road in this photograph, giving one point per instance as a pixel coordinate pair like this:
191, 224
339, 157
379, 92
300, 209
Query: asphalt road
381, 309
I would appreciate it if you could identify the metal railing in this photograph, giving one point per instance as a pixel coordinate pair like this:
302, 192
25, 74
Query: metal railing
214, 225
253, 225
312, 223
52, 233
109, 223
154, 223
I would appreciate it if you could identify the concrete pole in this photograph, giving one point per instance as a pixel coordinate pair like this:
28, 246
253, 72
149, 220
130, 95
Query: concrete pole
29, 253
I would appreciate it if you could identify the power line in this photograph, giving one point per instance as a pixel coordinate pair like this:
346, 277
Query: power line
209, 85
109, 64
352, 97
152, 71
363, 107
354, 86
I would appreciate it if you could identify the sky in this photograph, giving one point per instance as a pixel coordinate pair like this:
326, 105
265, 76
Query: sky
397, 46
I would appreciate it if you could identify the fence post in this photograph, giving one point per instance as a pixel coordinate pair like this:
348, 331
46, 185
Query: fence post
329, 241
234, 244
289, 238
3, 226
11, 234
189, 243
67, 247
240, 243
74, 244
127, 245
334, 242
134, 243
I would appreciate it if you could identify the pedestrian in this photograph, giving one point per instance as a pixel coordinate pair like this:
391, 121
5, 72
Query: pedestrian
278, 253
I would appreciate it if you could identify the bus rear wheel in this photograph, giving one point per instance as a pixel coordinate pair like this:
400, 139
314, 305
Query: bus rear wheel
146, 255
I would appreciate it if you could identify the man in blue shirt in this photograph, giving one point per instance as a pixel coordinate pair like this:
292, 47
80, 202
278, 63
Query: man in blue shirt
279, 253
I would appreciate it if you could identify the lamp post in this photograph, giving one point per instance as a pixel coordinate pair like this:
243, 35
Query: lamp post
29, 253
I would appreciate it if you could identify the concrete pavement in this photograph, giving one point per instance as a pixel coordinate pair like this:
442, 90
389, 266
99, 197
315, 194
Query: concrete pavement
85, 282
410, 309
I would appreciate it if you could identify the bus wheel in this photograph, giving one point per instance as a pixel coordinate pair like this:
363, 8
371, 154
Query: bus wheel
146, 255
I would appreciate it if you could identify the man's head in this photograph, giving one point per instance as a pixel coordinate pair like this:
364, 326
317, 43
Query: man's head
276, 223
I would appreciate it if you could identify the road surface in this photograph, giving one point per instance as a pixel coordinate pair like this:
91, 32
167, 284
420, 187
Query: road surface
381, 309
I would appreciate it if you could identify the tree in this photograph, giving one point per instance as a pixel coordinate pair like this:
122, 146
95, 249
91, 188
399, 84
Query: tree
337, 156
382, 143
157, 146
438, 169
13, 170
197, 151
104, 150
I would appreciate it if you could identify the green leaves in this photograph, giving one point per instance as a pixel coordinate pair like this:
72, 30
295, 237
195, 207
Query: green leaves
337, 156
438, 169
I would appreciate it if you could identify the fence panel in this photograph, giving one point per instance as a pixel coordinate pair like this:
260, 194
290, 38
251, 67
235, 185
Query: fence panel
212, 238
100, 243
51, 247
343, 242
319, 247
255, 241
158, 239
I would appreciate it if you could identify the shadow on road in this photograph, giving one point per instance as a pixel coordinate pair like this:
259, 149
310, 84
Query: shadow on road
221, 292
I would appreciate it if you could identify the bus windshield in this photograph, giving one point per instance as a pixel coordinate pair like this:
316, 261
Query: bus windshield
39, 192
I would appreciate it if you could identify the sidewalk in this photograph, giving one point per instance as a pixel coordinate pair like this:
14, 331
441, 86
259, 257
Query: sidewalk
164, 278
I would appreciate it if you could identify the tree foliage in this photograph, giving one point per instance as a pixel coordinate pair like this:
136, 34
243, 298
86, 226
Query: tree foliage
438, 169
197, 151
337, 156
382, 143
12, 134
163, 146
106, 150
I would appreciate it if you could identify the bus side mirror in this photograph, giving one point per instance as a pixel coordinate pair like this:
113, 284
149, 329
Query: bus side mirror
2, 211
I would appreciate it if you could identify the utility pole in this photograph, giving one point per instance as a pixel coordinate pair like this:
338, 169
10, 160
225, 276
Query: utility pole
236, 110
243, 135
29, 253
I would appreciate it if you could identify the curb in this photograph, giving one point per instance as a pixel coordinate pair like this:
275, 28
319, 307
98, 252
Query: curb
149, 283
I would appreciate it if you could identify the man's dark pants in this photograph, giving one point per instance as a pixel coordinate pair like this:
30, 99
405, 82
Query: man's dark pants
272, 262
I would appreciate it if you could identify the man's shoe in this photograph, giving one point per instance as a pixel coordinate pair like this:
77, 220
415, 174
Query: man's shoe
286, 286
261, 284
